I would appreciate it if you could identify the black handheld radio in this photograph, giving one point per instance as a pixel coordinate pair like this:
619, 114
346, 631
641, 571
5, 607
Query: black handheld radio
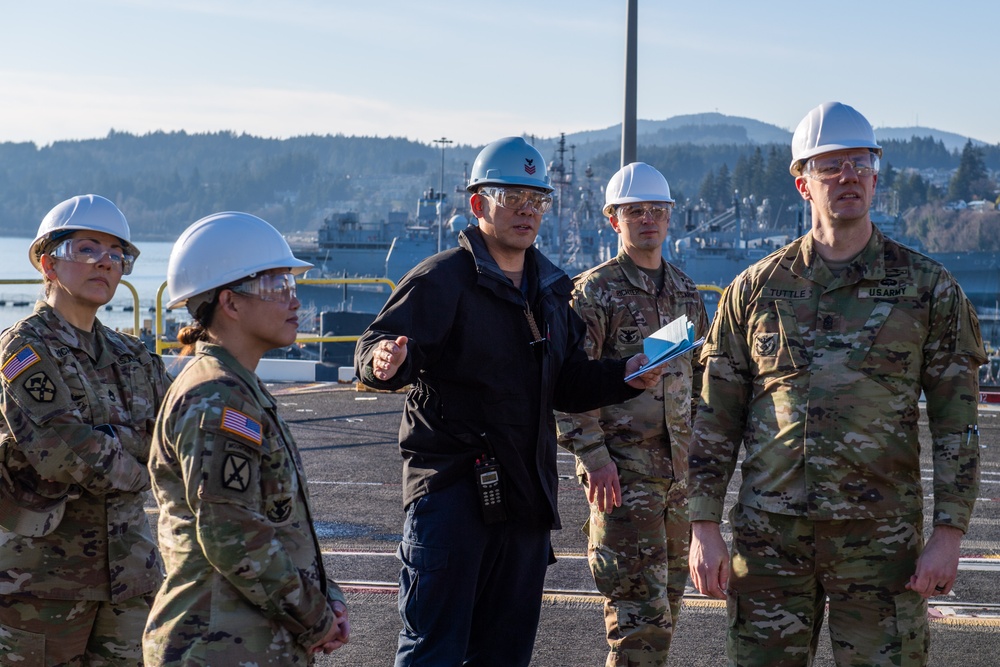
490, 496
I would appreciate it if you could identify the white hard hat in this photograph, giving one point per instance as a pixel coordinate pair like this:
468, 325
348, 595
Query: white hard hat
90, 212
509, 161
633, 183
830, 127
222, 248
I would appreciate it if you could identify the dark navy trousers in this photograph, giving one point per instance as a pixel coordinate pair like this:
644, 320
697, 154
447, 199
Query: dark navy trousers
469, 593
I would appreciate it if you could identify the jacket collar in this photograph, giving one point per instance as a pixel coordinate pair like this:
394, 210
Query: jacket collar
67, 334
249, 378
635, 276
868, 265
550, 276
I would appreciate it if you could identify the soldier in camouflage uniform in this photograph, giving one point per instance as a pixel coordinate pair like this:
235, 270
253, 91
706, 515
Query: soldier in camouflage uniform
632, 456
816, 362
245, 579
78, 564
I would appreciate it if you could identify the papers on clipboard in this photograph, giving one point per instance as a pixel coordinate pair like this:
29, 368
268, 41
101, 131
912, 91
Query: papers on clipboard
668, 343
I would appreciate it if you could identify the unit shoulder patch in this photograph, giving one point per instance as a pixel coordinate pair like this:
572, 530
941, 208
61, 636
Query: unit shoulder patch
236, 473
40, 387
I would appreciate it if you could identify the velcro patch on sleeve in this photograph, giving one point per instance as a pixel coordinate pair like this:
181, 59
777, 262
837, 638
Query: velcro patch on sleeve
242, 425
22, 360
40, 387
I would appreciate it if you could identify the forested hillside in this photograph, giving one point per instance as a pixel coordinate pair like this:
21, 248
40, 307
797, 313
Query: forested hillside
164, 181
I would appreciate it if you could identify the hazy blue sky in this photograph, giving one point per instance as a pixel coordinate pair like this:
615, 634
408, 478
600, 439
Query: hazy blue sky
474, 71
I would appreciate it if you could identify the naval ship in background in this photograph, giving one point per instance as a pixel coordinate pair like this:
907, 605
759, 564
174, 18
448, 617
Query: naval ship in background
710, 247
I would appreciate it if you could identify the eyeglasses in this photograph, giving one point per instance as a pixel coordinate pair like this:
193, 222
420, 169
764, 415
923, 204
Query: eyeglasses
89, 251
516, 198
277, 287
822, 169
638, 212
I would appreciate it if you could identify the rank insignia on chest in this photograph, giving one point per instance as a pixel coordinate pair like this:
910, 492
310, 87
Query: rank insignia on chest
20, 362
279, 510
629, 335
40, 387
237, 423
765, 344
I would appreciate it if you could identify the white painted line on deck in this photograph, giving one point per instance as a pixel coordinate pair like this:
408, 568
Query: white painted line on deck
326, 483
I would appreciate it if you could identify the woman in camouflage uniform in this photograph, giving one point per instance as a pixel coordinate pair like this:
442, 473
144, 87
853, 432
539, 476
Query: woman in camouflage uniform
245, 580
78, 565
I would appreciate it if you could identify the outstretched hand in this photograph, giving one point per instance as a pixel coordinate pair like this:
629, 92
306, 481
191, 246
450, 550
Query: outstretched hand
389, 355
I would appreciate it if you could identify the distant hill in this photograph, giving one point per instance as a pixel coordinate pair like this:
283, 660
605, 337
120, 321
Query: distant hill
952, 141
165, 180
708, 129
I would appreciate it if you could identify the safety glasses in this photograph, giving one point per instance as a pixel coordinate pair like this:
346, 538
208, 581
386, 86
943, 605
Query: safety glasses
828, 168
278, 287
638, 212
516, 198
89, 251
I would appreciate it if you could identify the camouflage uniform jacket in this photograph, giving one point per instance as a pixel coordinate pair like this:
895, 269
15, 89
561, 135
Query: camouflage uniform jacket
820, 375
78, 417
649, 434
235, 518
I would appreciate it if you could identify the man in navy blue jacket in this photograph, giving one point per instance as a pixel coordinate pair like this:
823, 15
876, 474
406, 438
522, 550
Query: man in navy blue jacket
485, 336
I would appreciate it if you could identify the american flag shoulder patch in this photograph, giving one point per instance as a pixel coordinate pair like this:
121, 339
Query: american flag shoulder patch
242, 425
24, 359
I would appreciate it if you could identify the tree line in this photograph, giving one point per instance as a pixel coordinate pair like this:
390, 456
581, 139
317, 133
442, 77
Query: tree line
165, 180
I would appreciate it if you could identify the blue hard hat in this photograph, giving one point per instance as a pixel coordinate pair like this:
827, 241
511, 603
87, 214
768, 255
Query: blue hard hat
509, 161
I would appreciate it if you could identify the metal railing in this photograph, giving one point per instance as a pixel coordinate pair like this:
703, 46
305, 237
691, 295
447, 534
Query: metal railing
162, 345
39, 281
710, 288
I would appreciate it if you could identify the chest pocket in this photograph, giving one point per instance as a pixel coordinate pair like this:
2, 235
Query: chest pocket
626, 340
141, 393
889, 347
776, 346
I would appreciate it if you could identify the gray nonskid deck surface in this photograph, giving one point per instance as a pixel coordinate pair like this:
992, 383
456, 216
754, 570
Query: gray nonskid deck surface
348, 444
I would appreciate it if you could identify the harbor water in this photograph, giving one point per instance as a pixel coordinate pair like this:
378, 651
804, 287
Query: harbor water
149, 274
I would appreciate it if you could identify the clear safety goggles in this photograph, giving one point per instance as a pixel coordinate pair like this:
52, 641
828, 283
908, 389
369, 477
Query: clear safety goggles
828, 168
279, 287
89, 251
516, 198
659, 211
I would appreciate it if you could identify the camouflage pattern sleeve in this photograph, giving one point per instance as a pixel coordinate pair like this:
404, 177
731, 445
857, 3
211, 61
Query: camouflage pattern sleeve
722, 411
581, 433
222, 480
61, 443
334, 593
700, 320
950, 380
136, 437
